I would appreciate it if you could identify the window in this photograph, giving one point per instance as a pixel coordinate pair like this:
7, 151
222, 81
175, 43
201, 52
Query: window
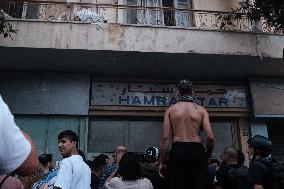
145, 13
13, 9
183, 18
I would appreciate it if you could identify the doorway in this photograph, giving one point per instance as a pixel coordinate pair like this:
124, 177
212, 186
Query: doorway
137, 134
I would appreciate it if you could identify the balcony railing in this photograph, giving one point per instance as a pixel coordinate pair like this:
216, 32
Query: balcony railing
126, 14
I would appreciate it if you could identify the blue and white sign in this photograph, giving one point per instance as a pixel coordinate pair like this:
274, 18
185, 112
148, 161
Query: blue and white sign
150, 94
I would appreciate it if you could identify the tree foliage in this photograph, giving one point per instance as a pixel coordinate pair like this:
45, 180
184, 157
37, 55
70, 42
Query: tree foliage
6, 29
271, 12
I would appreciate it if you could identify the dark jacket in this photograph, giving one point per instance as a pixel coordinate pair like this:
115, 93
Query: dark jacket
150, 171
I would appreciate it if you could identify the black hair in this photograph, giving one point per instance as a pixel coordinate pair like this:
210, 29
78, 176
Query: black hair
103, 156
185, 87
72, 136
214, 160
44, 159
99, 162
129, 167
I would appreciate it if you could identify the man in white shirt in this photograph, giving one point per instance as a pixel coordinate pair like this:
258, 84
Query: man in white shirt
17, 151
73, 172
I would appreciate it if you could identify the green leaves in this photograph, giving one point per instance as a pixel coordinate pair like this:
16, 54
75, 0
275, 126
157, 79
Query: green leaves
270, 12
6, 29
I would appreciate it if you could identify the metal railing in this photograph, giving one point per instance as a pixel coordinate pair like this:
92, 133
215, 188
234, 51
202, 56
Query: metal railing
126, 14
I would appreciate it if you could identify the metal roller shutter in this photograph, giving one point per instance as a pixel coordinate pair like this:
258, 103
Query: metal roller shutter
276, 134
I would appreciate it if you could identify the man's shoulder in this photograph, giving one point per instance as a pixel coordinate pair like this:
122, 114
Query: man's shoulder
178, 104
256, 163
184, 106
72, 159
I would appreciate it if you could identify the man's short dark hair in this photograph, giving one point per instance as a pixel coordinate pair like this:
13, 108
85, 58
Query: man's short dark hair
214, 160
184, 87
231, 152
72, 136
44, 159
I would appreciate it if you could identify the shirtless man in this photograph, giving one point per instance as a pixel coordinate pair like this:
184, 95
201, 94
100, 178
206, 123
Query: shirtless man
188, 161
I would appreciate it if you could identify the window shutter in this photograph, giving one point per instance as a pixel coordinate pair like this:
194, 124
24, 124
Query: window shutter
276, 133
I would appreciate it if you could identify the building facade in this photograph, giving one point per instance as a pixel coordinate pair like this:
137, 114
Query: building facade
108, 69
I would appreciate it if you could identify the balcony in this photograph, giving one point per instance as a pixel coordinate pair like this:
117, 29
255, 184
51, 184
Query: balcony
115, 40
145, 12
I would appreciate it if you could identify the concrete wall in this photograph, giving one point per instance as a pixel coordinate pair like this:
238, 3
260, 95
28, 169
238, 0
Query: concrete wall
66, 94
142, 38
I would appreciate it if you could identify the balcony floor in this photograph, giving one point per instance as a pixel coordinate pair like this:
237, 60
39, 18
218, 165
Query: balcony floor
150, 65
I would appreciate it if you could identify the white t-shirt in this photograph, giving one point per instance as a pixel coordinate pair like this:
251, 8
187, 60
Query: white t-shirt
118, 183
14, 147
73, 173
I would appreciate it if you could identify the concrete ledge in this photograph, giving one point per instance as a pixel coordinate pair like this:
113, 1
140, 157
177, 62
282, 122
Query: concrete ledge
117, 37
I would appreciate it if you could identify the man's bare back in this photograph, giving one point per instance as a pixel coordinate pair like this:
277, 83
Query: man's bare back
186, 121
188, 160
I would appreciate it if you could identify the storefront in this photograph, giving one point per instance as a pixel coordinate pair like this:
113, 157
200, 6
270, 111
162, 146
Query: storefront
268, 107
131, 113
45, 104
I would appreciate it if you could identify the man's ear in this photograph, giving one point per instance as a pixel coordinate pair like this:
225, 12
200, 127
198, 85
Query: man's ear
74, 143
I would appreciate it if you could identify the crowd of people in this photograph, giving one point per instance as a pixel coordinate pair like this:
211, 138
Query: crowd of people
188, 164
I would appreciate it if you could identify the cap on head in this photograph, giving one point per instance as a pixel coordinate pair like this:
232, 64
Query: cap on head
184, 86
261, 143
151, 154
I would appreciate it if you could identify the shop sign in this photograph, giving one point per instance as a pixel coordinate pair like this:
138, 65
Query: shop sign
148, 94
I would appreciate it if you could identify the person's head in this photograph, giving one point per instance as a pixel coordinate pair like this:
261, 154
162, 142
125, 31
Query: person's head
184, 87
105, 158
118, 153
67, 143
259, 146
129, 167
151, 154
46, 161
99, 163
215, 163
229, 156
